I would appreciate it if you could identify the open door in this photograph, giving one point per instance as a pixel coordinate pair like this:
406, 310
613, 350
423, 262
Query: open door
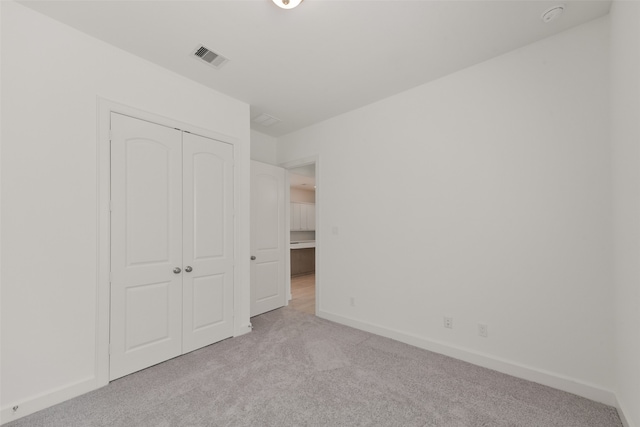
268, 290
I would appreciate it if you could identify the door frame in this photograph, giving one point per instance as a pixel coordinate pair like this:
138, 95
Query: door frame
292, 165
103, 187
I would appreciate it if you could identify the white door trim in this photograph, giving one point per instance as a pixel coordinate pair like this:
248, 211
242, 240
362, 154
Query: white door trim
103, 165
290, 165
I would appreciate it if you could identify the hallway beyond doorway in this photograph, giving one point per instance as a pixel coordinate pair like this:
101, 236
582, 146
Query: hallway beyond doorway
303, 293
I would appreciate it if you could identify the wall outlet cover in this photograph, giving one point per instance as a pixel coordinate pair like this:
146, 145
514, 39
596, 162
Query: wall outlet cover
448, 322
483, 330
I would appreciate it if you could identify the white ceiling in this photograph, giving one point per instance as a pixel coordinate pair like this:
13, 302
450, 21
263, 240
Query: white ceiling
303, 177
306, 170
325, 57
302, 182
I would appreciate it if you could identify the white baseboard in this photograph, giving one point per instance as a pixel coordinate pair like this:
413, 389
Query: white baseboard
625, 421
47, 399
59, 395
515, 369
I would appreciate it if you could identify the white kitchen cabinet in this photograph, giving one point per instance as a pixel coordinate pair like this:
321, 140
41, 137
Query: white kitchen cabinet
303, 216
311, 217
296, 217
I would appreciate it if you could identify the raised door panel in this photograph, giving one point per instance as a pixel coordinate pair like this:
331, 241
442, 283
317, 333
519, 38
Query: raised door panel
267, 238
208, 241
146, 243
208, 308
149, 325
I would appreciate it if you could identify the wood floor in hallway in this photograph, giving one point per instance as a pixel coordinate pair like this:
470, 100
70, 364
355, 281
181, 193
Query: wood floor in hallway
303, 293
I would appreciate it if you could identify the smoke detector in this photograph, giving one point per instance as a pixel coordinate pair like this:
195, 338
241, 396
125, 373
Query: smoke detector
209, 57
552, 13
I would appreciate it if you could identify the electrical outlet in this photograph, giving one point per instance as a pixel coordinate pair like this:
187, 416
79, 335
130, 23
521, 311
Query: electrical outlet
448, 322
483, 330
352, 301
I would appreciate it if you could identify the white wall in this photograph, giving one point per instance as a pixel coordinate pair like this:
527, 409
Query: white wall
263, 148
51, 78
625, 114
484, 196
304, 196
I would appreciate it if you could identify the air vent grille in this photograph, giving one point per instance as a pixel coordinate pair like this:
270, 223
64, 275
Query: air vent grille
265, 120
210, 57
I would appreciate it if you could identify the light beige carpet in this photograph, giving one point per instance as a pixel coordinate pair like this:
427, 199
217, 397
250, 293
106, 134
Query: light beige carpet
295, 369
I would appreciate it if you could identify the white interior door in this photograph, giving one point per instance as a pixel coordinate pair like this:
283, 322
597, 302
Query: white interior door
172, 243
146, 244
267, 238
208, 241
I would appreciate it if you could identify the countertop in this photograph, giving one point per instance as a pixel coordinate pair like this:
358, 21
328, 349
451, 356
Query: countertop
303, 244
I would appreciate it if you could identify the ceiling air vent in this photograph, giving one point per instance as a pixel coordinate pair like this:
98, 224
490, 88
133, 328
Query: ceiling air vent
265, 120
210, 57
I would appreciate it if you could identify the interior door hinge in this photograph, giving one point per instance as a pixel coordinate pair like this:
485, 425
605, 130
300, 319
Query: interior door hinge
110, 277
110, 135
110, 205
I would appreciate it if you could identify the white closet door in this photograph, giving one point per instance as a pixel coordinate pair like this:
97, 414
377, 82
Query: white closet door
146, 244
208, 241
267, 238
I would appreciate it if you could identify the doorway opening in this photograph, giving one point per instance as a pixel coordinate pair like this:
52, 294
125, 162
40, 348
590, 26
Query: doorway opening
303, 251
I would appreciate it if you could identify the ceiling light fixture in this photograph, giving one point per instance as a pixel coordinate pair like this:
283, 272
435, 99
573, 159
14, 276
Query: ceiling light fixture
287, 4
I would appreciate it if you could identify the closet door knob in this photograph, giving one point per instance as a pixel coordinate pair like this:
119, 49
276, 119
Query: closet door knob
188, 269
253, 258
177, 270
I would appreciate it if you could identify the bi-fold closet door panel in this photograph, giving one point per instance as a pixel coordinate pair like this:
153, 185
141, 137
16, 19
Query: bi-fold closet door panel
208, 241
171, 243
146, 244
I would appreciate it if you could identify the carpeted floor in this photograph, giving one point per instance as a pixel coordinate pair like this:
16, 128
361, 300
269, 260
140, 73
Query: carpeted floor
299, 370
